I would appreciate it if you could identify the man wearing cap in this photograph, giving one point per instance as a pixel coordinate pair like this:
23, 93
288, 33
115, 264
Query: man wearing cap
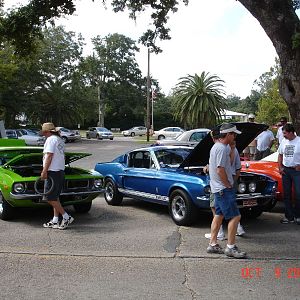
53, 169
279, 134
221, 183
249, 151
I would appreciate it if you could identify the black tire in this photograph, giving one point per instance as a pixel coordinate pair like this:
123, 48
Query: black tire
132, 134
65, 139
88, 136
181, 208
98, 137
7, 212
111, 139
252, 212
83, 208
161, 137
111, 194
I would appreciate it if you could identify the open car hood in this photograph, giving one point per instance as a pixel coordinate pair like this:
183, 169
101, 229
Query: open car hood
199, 156
35, 158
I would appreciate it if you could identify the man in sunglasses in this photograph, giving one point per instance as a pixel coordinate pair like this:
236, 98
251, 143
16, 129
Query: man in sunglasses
221, 184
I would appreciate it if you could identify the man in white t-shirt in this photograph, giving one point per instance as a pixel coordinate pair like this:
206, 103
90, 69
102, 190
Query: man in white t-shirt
279, 134
54, 175
264, 142
289, 167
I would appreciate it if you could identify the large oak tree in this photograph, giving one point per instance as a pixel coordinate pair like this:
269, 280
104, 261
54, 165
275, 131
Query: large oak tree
277, 17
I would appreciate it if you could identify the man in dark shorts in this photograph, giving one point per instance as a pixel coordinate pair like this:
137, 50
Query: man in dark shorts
53, 172
222, 186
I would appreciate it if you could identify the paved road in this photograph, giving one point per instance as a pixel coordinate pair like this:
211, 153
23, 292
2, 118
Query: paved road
135, 251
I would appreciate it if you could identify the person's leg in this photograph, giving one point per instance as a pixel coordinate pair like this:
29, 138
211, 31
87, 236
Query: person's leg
287, 192
215, 227
232, 229
57, 208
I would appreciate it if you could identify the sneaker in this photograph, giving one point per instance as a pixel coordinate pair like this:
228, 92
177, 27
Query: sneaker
240, 231
220, 237
235, 252
50, 224
286, 221
65, 223
217, 249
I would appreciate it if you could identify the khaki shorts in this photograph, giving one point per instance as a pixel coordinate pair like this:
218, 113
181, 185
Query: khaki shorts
250, 150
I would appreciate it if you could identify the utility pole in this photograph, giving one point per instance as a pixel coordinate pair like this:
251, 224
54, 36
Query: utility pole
148, 96
101, 110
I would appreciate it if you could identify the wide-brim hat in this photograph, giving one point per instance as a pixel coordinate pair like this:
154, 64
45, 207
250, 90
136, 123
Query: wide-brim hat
228, 127
49, 127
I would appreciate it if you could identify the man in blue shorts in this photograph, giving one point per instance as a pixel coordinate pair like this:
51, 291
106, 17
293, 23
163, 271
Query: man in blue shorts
222, 186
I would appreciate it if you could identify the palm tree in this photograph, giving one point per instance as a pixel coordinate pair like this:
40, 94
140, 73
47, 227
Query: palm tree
199, 100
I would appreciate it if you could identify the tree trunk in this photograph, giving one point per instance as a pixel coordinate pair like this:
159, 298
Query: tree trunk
280, 22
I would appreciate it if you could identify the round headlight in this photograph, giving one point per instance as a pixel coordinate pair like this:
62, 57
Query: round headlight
252, 187
98, 183
242, 188
19, 187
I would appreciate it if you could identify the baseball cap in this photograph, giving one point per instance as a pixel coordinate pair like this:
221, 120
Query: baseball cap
228, 127
48, 127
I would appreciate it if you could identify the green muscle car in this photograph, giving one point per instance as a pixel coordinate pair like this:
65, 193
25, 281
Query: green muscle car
20, 184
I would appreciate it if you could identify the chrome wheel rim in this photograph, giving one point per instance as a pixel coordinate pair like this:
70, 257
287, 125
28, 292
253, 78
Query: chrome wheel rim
109, 191
178, 208
1, 203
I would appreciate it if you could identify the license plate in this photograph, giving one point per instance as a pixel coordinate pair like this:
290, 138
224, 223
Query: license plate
248, 203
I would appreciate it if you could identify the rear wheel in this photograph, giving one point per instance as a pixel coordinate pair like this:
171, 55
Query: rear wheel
65, 139
83, 207
7, 212
112, 195
132, 134
181, 208
88, 136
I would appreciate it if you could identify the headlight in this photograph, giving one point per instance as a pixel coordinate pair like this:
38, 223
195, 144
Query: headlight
98, 183
252, 187
19, 187
242, 188
206, 189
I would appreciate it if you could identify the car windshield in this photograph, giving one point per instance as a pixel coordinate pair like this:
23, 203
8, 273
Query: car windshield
171, 157
102, 129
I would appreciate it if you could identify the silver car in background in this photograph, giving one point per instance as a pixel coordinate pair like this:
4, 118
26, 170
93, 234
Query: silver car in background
168, 132
138, 130
100, 133
68, 135
187, 138
30, 137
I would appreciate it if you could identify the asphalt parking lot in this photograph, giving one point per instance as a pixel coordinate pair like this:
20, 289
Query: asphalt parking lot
135, 251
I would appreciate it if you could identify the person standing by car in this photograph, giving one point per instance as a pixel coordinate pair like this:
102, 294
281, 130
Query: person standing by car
53, 167
222, 186
279, 134
249, 151
289, 167
264, 142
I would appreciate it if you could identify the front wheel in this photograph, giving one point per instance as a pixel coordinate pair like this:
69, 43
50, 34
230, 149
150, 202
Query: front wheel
64, 139
7, 212
112, 195
83, 208
161, 137
88, 136
181, 208
132, 134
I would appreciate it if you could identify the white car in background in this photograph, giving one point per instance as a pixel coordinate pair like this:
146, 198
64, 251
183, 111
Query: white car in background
69, 135
138, 130
168, 132
30, 137
187, 138
99, 133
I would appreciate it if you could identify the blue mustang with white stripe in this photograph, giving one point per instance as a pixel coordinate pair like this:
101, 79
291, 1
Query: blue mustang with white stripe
173, 176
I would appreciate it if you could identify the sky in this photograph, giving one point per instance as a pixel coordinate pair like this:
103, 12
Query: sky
216, 36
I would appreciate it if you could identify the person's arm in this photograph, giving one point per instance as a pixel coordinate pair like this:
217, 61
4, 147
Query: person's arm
223, 176
47, 162
280, 165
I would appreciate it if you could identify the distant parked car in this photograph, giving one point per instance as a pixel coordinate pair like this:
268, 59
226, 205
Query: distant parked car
69, 135
138, 130
168, 132
99, 133
11, 134
187, 138
30, 137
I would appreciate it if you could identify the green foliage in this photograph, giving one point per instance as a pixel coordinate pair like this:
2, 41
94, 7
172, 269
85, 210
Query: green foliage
199, 100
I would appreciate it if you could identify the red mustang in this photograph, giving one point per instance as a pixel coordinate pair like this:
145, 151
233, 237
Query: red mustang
267, 166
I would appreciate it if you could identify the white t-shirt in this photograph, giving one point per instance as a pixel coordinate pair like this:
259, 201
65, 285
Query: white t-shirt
279, 134
290, 151
54, 144
264, 139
